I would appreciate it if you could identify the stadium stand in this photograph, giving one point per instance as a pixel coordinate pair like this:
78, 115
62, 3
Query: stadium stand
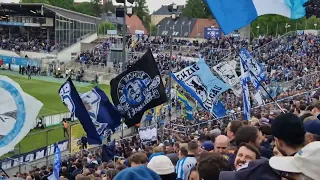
42, 27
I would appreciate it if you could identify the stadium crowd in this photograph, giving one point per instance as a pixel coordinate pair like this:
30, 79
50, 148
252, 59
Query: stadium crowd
31, 39
269, 146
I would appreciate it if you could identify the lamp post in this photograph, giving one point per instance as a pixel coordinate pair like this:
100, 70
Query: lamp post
172, 9
126, 11
258, 27
315, 26
287, 26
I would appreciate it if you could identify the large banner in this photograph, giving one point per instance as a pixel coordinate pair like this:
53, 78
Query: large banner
148, 134
19, 61
138, 89
18, 111
212, 32
37, 154
200, 83
229, 75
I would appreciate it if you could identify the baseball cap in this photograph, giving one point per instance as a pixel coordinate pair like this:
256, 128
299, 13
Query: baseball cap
208, 146
306, 161
288, 127
312, 126
162, 165
257, 168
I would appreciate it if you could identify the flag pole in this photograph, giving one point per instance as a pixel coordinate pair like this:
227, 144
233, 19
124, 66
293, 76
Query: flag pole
256, 78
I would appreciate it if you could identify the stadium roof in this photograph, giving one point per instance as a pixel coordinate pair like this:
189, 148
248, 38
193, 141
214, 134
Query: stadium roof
34, 9
183, 26
164, 10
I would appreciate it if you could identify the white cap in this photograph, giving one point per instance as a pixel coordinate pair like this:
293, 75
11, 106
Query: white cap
161, 164
306, 161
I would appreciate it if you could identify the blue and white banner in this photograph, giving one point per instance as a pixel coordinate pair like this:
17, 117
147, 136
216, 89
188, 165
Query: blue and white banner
200, 83
103, 113
249, 63
19, 61
212, 32
93, 109
18, 111
31, 156
228, 74
246, 100
56, 164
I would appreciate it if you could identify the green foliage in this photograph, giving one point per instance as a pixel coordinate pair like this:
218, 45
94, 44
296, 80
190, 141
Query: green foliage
96, 7
108, 7
105, 26
35, 1
276, 25
66, 4
154, 30
84, 8
196, 9
142, 11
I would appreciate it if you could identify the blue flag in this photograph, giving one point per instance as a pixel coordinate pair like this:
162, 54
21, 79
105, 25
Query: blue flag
248, 62
102, 112
235, 14
219, 110
200, 83
93, 109
56, 164
246, 100
108, 151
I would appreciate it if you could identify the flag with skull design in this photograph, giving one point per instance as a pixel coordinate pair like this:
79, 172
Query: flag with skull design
138, 89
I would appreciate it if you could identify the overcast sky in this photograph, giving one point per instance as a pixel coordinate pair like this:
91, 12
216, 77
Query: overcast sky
152, 4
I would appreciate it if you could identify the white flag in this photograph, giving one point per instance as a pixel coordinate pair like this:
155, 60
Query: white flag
18, 111
228, 74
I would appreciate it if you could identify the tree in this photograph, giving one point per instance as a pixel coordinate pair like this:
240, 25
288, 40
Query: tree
96, 7
66, 4
108, 7
154, 30
35, 1
196, 9
84, 8
278, 25
141, 10
105, 26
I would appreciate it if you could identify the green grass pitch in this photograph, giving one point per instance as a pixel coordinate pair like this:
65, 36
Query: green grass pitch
45, 91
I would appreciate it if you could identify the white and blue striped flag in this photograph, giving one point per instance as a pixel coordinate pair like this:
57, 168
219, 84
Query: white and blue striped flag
245, 89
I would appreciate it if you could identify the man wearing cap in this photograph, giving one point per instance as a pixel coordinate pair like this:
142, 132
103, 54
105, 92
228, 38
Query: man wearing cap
303, 165
312, 128
288, 132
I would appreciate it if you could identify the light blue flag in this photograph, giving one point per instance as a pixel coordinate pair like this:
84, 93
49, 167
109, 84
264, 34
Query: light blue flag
200, 83
56, 164
235, 14
248, 62
246, 101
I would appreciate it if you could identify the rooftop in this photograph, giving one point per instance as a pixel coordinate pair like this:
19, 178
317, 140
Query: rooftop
164, 10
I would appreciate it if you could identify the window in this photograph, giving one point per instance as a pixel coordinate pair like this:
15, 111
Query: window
175, 22
183, 22
168, 22
189, 23
186, 34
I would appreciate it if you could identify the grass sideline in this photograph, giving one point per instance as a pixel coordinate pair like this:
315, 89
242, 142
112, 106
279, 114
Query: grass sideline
47, 93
